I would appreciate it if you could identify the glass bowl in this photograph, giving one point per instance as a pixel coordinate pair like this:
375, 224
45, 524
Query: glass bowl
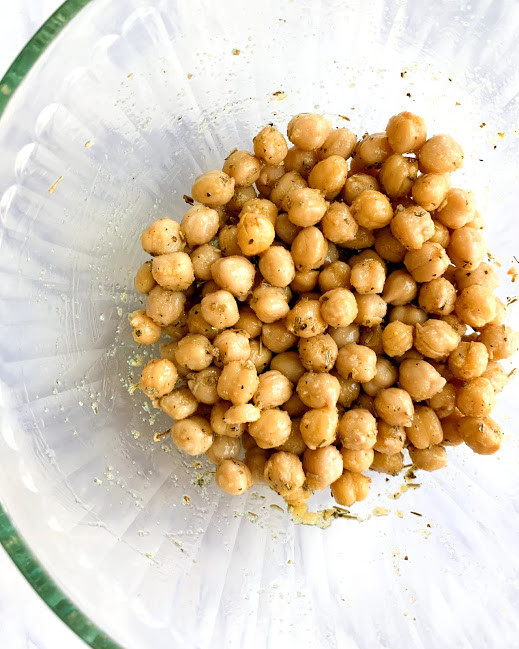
109, 113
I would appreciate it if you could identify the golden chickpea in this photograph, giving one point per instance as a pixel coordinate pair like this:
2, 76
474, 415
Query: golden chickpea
241, 196
329, 176
168, 351
204, 384
363, 239
218, 423
340, 141
437, 296
255, 233
345, 335
397, 175
255, 459
467, 248
238, 382
440, 154
199, 225
350, 488
223, 448
286, 184
399, 288
397, 338
243, 167
270, 145
294, 406
202, 258
430, 190
372, 337
322, 466
389, 464
356, 184
319, 427
420, 379
274, 389
364, 255
372, 210
373, 150
496, 375
371, 310
469, 360
441, 235
173, 271
388, 247
365, 402
482, 434
260, 355
390, 439
219, 309
231, 345
357, 361
243, 413
408, 314
272, 428
451, 430
261, 206
305, 319
309, 249
197, 324
194, 352
336, 275
284, 472
318, 353
476, 306
144, 281
457, 208
394, 406
318, 390
428, 459
294, 443
349, 390
358, 429
308, 130
277, 266
289, 364
158, 378
500, 341
483, 275
444, 402
368, 276
179, 404
338, 307
425, 429
213, 188
476, 398
249, 322
145, 330
304, 281
269, 303
412, 226
428, 262
234, 274
305, 206
268, 177
162, 237
435, 339
406, 132
228, 241
276, 337
192, 435
386, 376
301, 161
233, 476
356, 461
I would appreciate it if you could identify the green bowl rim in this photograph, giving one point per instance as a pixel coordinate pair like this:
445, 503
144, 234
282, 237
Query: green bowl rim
11, 540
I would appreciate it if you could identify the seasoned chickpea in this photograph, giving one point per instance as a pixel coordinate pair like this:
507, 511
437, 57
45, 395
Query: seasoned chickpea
308, 130
168, 351
428, 459
388, 247
309, 249
338, 307
371, 309
199, 225
358, 429
318, 353
294, 443
243, 413
228, 241
234, 274
457, 209
255, 233
144, 281
202, 259
373, 150
368, 276
440, 154
232, 345
162, 237
145, 330
357, 361
269, 303
294, 406
301, 161
496, 375
435, 339
349, 390
243, 167
272, 428
451, 430
219, 309
284, 472
345, 335
356, 461
273, 390
195, 352
270, 145
223, 448
305, 206
260, 355
428, 262
241, 196
408, 314
444, 402
192, 435
406, 132
437, 296
318, 390
304, 281
483, 275
412, 226
372, 210
350, 488
197, 324
179, 404
268, 177
340, 141
390, 439
482, 434
213, 188
372, 337
319, 427
249, 322
335, 275
158, 377
469, 360
386, 376
276, 337
397, 338
394, 406
356, 184
430, 190
476, 306
261, 206
284, 186
476, 398
238, 382
289, 364
363, 239
173, 271
329, 176
233, 476
500, 341
399, 288
322, 467
218, 423
467, 248
389, 464
420, 379
277, 266
304, 319
255, 459
397, 175
204, 384
425, 429
441, 235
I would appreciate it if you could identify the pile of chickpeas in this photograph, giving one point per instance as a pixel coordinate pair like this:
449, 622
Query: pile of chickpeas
328, 306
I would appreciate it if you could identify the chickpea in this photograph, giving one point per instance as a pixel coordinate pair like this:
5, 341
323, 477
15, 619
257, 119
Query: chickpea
338, 307
496, 375
162, 237
363, 239
276, 337
412, 226
241, 196
371, 310
305, 206
144, 281
284, 472
406, 132
289, 364
500, 341
469, 360
399, 288
476, 306
357, 361
255, 233
243, 167
213, 188
390, 439
319, 427
345, 335
249, 322
238, 382
437, 296
356, 461
304, 281
356, 184
318, 353
273, 390
165, 307
228, 241
365, 402
372, 337
329, 176
420, 379
219, 309
340, 141
179, 404
440, 154
467, 248
197, 324
428, 459
476, 398
428, 262
435, 339
397, 175
203, 385
430, 190
232, 345
308, 131
386, 376
350, 488
269, 303
336, 275
242, 414
202, 259
199, 225
260, 355
483, 275
425, 429
388, 247
272, 428
158, 378
394, 406
294, 443
294, 406
219, 423
195, 352
309, 249
389, 464
234, 274
261, 206
192, 435
301, 161
223, 448
397, 338
176, 331
358, 429
457, 208
441, 235
270, 145
482, 434
268, 177
349, 390
444, 402
304, 319
173, 271
168, 351
318, 390
364, 255
255, 459
277, 266
372, 210
408, 314
145, 330
322, 467
368, 276
286, 184
233, 476
373, 150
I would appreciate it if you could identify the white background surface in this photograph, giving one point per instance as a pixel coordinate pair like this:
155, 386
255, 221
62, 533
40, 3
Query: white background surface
25, 621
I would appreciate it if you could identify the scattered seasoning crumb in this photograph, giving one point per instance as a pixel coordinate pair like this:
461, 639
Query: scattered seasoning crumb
482, 125
399, 513
88, 144
406, 558
279, 95
380, 511
416, 513
97, 481
190, 75
501, 135
235, 52
512, 271
457, 103
408, 94
186, 500
130, 75
403, 73
188, 199
158, 436
53, 187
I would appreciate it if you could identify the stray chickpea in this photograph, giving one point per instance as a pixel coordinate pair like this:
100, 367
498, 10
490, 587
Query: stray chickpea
318, 390
322, 466
277, 266
272, 428
440, 154
309, 249
173, 271
199, 225
319, 427
368, 276
144, 281
329, 176
435, 339
305, 319
162, 237
284, 472
467, 248
243, 167
305, 206
145, 330
389, 464
430, 190
233, 476
425, 429
388, 247
358, 429
350, 488
420, 379
308, 131
158, 378
204, 384
412, 226
228, 241
394, 406
274, 389
234, 274
437, 296
179, 404
238, 382
428, 459
406, 132
482, 434
195, 352
428, 262
213, 188
356, 184
372, 210
288, 182
371, 309
255, 233
357, 361
192, 435
232, 345
219, 309
223, 448
386, 376
476, 398
390, 439
270, 145
500, 341
373, 150
318, 353
260, 355
397, 338
457, 209
444, 402
397, 175
289, 364
269, 303
301, 161
476, 306
202, 259
399, 288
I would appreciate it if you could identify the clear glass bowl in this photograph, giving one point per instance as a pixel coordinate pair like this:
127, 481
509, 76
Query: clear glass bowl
108, 115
